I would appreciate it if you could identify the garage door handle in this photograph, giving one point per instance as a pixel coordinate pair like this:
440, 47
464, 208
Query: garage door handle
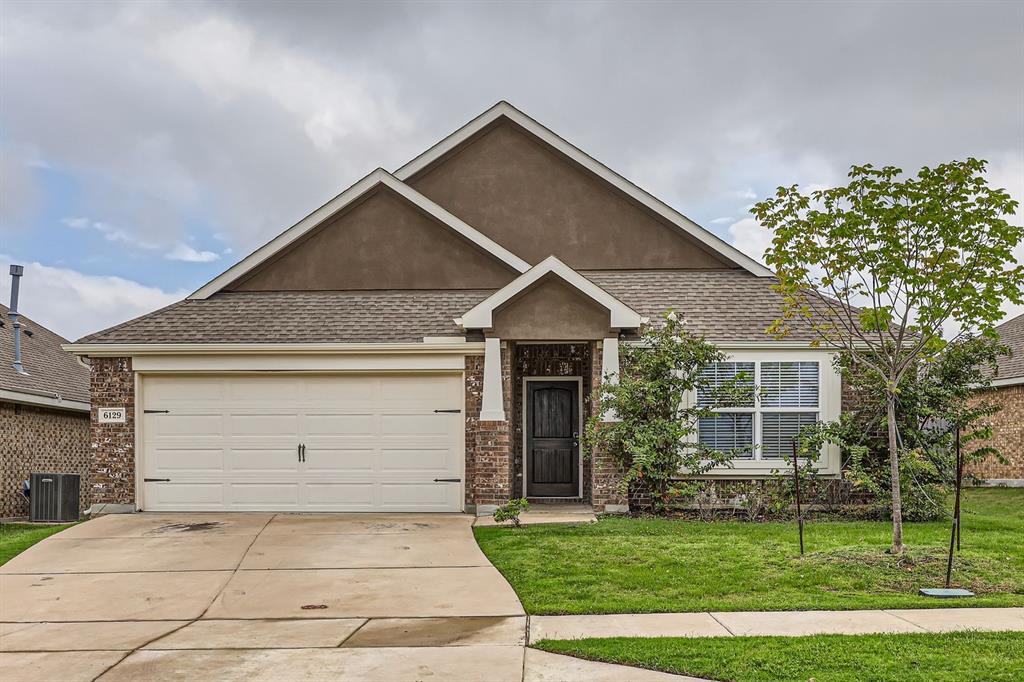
156, 412
447, 480
156, 480
447, 411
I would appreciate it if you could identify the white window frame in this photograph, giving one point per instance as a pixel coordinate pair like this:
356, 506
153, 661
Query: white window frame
829, 406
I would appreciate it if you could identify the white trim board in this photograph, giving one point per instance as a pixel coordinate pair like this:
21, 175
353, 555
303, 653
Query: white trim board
482, 314
54, 401
325, 212
137, 349
677, 219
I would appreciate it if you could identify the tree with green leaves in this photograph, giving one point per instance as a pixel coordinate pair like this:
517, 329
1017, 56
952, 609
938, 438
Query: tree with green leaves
879, 266
654, 431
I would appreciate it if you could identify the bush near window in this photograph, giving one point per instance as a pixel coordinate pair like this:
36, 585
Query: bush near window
653, 431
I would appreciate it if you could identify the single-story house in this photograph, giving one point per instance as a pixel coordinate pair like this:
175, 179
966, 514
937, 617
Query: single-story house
431, 340
44, 412
1007, 391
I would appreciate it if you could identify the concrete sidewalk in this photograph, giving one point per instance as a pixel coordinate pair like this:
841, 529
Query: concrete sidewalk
775, 623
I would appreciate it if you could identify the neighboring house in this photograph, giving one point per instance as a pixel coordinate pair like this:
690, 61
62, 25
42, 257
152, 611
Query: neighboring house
1008, 424
44, 412
431, 339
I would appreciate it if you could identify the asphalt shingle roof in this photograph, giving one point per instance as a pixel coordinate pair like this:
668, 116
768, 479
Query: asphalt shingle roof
731, 305
51, 371
299, 317
723, 305
1011, 333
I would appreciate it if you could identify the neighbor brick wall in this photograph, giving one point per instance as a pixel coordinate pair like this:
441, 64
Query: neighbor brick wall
1007, 436
488, 443
112, 464
607, 473
42, 440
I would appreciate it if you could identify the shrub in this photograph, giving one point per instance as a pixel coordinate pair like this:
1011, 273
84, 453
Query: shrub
511, 510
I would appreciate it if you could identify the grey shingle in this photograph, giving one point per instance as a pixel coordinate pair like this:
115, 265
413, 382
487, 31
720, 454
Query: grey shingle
51, 371
731, 305
1011, 333
299, 317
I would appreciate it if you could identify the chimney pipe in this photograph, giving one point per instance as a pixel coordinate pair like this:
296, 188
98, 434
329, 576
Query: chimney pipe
16, 272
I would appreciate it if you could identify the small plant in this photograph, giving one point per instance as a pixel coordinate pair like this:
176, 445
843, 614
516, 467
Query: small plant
511, 510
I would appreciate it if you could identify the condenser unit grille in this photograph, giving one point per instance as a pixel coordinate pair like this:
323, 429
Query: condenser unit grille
54, 497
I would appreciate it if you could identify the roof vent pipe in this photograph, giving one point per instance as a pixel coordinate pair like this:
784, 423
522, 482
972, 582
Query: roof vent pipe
16, 272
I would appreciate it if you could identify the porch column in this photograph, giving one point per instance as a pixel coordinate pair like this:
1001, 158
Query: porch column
610, 370
492, 404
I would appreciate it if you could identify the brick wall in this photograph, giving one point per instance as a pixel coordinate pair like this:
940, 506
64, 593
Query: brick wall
1007, 436
606, 471
488, 443
547, 360
38, 439
112, 464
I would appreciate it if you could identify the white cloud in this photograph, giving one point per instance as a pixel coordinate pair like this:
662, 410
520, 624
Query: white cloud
184, 252
111, 233
750, 237
74, 304
722, 221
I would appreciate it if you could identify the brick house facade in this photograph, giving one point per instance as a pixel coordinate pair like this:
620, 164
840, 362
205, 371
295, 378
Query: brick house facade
44, 413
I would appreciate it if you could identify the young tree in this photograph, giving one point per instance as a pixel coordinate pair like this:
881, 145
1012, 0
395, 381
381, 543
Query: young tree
879, 266
654, 432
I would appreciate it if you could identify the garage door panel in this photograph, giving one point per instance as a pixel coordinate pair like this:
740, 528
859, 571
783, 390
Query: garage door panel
405, 496
340, 424
431, 460
185, 496
184, 424
202, 461
353, 496
328, 460
265, 460
263, 424
372, 443
357, 390
264, 495
416, 424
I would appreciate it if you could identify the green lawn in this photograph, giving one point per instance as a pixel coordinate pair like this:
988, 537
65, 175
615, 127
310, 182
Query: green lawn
623, 565
15, 538
956, 657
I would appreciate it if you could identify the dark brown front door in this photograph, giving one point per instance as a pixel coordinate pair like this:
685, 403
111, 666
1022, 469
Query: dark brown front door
552, 438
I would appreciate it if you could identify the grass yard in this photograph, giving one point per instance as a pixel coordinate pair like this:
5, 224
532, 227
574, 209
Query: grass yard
953, 657
624, 565
15, 538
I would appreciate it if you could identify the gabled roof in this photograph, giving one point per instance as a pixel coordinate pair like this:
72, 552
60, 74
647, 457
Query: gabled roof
481, 315
674, 217
376, 178
53, 378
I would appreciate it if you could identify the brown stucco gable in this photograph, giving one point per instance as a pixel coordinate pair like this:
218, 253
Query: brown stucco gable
550, 310
380, 242
534, 201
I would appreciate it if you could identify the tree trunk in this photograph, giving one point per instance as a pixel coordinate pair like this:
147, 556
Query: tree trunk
894, 464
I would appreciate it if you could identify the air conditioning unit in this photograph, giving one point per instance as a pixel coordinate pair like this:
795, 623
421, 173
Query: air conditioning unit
54, 497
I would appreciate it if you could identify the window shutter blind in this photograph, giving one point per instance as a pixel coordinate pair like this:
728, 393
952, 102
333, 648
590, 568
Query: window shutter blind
778, 429
716, 374
728, 432
789, 384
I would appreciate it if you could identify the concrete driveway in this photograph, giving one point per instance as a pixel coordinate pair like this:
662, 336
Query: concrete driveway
157, 596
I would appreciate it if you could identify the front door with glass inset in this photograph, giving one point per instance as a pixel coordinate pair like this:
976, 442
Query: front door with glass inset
552, 438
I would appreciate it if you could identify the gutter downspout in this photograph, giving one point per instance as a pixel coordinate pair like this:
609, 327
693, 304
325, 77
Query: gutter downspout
16, 272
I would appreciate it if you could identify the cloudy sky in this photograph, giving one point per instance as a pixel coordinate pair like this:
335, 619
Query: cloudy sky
146, 146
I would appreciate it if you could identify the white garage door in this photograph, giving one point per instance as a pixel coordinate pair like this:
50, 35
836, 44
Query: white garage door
302, 443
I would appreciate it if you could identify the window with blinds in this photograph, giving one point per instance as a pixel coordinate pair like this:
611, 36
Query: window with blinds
778, 429
786, 400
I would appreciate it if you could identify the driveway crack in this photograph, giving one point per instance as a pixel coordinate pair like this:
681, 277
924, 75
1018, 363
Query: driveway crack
208, 606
